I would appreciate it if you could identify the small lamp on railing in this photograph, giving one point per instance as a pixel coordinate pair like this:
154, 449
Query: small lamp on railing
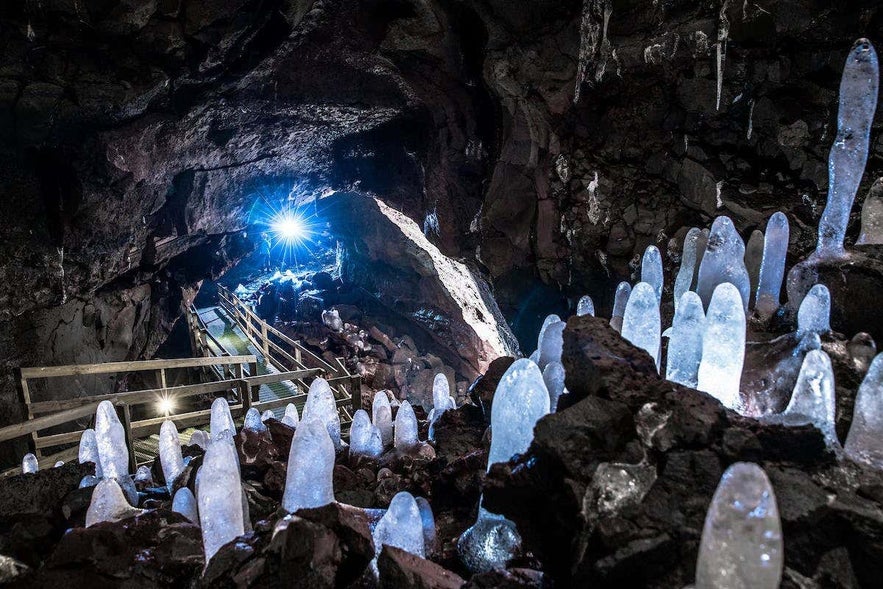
165, 405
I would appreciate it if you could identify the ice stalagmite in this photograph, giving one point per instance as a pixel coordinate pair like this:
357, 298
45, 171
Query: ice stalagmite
143, 476
864, 443
185, 503
585, 306
364, 437
685, 345
219, 497
381, 416
253, 421
112, 449
723, 346
549, 320
221, 419
684, 278
199, 438
405, 428
724, 261
814, 314
441, 401
401, 526
651, 270
291, 417
521, 399
428, 520
553, 376
108, 504
88, 451
849, 153
310, 467
753, 256
872, 216
741, 545
170, 452
772, 265
552, 344
268, 414
641, 324
322, 406
812, 400
620, 300
29, 464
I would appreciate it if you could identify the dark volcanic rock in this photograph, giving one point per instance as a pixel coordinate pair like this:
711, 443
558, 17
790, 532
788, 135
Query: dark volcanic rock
400, 569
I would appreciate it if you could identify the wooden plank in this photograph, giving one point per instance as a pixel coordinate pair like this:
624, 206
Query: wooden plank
282, 376
133, 366
298, 400
19, 429
146, 427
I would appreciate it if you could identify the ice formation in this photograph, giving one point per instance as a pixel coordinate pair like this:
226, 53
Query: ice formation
863, 443
364, 437
553, 377
170, 452
144, 476
401, 526
332, 320
199, 438
268, 414
428, 521
221, 419
685, 344
641, 324
185, 503
585, 306
549, 320
872, 216
322, 406
741, 545
112, 449
724, 261
521, 399
253, 421
219, 498
684, 278
723, 346
308, 482
849, 153
772, 265
108, 504
405, 433
88, 451
651, 270
620, 300
753, 256
552, 343
441, 401
381, 417
291, 418
29, 464
814, 314
812, 400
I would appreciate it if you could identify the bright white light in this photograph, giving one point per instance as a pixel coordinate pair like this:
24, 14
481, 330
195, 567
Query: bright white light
165, 405
289, 227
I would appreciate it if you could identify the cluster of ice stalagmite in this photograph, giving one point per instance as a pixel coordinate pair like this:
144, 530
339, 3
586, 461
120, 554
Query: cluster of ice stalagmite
405, 430
221, 420
641, 324
291, 417
88, 451
741, 543
308, 482
723, 346
170, 452
108, 504
812, 400
321, 406
585, 306
381, 417
521, 399
849, 153
723, 262
863, 442
365, 437
219, 495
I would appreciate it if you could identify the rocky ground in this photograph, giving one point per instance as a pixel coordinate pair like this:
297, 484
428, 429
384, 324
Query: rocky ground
612, 492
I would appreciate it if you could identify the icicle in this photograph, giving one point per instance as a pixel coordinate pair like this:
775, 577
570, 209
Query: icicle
309, 482
428, 521
685, 345
29, 464
170, 452
108, 504
684, 278
651, 270
814, 312
723, 346
849, 154
585, 306
405, 432
185, 503
753, 255
864, 443
553, 377
219, 497
381, 416
741, 544
641, 324
322, 406
291, 418
723, 32
88, 451
620, 300
772, 266
723, 262
199, 438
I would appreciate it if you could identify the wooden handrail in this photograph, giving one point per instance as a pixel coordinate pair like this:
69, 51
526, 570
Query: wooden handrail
131, 366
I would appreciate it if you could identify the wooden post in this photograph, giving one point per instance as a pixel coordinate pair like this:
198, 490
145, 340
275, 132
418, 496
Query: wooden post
244, 395
265, 339
356, 385
26, 395
130, 442
161, 381
254, 390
